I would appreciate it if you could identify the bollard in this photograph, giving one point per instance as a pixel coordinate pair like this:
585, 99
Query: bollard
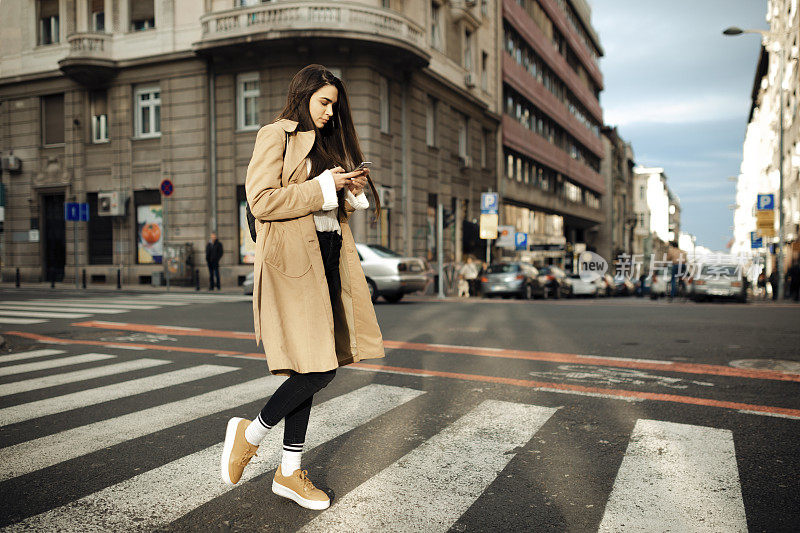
16, 279
119, 279
197, 279
84, 278
52, 281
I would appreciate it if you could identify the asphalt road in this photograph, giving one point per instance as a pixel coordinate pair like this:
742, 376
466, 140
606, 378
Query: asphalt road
581, 415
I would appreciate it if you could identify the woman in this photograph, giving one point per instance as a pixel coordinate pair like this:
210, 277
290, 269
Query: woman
311, 304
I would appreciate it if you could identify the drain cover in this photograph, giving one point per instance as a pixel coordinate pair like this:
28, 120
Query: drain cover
778, 365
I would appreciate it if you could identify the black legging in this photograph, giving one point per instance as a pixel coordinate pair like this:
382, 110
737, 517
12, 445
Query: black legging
294, 397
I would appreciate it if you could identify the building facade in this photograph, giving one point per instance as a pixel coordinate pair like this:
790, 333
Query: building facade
760, 168
657, 210
551, 147
615, 236
102, 100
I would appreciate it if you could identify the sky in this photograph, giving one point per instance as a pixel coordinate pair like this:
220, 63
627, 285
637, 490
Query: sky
679, 92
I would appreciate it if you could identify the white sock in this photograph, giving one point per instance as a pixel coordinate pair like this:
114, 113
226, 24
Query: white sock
290, 460
255, 432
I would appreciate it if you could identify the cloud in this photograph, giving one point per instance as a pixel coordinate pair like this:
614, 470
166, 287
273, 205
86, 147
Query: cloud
671, 110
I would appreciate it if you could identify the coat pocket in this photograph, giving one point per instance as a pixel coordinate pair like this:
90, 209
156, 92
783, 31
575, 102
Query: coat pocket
285, 250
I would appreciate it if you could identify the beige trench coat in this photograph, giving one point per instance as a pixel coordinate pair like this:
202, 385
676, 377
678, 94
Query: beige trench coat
292, 312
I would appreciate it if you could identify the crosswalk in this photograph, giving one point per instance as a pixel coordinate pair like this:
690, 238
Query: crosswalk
672, 476
40, 310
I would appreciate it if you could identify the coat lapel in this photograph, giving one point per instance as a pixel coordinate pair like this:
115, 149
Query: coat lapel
298, 147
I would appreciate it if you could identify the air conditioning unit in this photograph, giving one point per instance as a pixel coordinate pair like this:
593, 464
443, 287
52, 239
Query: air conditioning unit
469, 79
12, 164
386, 196
110, 204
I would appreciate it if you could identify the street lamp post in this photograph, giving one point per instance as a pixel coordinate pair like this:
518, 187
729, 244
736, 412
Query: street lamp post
732, 31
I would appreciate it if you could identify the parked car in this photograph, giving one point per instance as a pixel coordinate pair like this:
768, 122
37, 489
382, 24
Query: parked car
513, 278
389, 274
605, 285
623, 286
718, 281
551, 278
575, 286
247, 284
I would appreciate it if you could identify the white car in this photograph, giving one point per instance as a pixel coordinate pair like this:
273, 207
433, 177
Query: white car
389, 274
575, 286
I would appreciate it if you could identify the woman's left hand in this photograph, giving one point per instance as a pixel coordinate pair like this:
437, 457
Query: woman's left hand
356, 185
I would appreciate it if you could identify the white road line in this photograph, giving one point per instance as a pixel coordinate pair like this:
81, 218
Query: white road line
111, 304
137, 504
111, 301
54, 363
76, 400
50, 450
676, 477
629, 359
20, 356
78, 375
9, 320
432, 486
38, 314
62, 309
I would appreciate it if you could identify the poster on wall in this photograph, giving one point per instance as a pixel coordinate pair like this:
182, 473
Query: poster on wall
149, 241
247, 248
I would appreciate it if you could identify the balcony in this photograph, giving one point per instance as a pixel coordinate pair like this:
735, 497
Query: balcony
317, 24
89, 60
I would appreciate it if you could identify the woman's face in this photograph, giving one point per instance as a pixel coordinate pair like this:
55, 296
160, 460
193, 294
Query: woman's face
320, 106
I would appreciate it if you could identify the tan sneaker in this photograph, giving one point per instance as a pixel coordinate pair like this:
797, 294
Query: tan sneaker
299, 488
237, 452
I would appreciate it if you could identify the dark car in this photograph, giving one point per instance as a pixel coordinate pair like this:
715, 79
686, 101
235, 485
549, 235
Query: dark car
552, 280
510, 279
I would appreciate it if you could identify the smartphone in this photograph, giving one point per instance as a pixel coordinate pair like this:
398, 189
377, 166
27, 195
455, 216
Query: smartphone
363, 164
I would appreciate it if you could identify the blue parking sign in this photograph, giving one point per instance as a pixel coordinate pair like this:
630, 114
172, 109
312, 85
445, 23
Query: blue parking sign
765, 202
755, 241
521, 240
489, 203
76, 212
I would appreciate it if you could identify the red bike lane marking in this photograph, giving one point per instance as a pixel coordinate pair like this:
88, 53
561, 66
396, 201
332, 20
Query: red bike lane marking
552, 357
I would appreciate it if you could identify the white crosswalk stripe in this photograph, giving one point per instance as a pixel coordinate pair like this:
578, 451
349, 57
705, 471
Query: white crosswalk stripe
37, 308
33, 354
59, 404
42, 314
434, 484
672, 476
47, 451
676, 477
54, 363
11, 320
137, 504
78, 375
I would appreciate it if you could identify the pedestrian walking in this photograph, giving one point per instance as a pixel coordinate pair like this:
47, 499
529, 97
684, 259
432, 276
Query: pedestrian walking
762, 285
311, 304
793, 280
213, 255
773, 283
469, 273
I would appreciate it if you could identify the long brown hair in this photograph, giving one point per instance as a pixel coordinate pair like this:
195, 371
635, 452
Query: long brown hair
336, 144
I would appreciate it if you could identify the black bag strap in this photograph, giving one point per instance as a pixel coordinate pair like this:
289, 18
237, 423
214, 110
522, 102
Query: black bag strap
251, 220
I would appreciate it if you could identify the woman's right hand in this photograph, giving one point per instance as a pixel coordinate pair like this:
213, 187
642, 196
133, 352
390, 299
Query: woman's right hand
340, 177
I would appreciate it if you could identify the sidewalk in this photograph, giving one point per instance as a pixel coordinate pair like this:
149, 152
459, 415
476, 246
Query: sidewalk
112, 287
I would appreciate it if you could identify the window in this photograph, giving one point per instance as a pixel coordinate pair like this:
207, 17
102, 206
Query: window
484, 71
485, 8
430, 122
436, 27
99, 108
641, 192
484, 147
247, 94
462, 136
53, 119
143, 15
48, 22
148, 112
384, 104
97, 16
101, 234
468, 50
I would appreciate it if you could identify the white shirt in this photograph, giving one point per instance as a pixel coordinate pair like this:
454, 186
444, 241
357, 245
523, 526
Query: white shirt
326, 219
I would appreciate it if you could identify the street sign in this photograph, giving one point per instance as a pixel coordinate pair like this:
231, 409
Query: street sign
521, 240
755, 241
765, 202
76, 212
488, 229
489, 203
166, 187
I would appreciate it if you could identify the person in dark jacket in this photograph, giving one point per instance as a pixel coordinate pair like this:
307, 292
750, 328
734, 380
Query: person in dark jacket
793, 280
213, 255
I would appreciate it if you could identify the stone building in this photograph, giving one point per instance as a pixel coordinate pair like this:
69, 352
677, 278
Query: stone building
102, 100
551, 142
615, 236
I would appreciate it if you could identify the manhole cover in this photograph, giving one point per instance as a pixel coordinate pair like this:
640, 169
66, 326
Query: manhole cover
778, 365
